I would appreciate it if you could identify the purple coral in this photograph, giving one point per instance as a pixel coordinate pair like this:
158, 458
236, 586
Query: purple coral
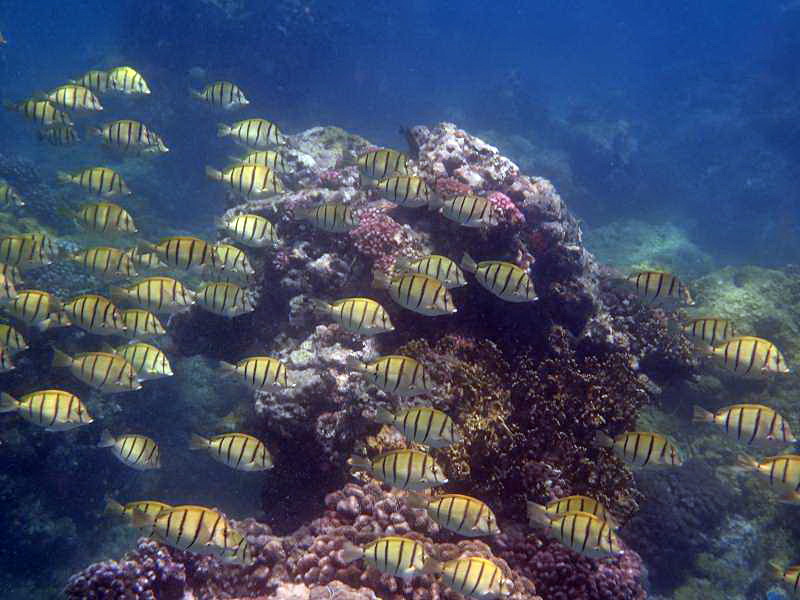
380, 238
309, 559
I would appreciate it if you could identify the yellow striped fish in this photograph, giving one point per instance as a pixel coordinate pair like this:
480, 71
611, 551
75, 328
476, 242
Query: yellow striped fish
253, 133
197, 529
148, 361
11, 273
441, 268
146, 261
268, 158
750, 356
395, 374
105, 217
8, 290
357, 315
232, 259
222, 94
34, 307
394, 555
405, 469
42, 112
95, 80
473, 577
464, 515
419, 293
237, 450
136, 451
641, 448
183, 252
467, 210
251, 181
127, 80
55, 410
225, 299
333, 217
254, 231
12, 340
583, 532
790, 575
382, 163
6, 360
100, 180
127, 134
106, 262
74, 96
423, 425
27, 251
159, 294
59, 135
783, 472
505, 280
101, 370
710, 330
141, 324
569, 504
405, 190
659, 286
748, 423
262, 373
148, 507
9, 196
95, 314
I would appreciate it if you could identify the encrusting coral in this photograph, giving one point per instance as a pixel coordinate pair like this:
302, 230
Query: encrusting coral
299, 564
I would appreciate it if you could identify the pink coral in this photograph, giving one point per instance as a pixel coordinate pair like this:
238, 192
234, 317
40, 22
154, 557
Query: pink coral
505, 209
381, 238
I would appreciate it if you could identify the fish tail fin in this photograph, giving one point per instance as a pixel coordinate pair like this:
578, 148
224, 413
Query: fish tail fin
354, 364
223, 130
776, 569
212, 173
402, 263
746, 462
380, 280
701, 415
383, 416
64, 177
791, 497
143, 247
195, 94
94, 131
350, 552
227, 368
113, 507
432, 566
359, 463
537, 514
415, 500
106, 440
8, 403
118, 294
468, 263
141, 519
10, 106
320, 305
61, 359
603, 440
198, 442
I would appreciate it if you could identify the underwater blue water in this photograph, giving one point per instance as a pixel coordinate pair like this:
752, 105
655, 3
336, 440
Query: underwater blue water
667, 112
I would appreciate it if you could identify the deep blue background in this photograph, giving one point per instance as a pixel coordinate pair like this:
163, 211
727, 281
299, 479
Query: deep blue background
705, 91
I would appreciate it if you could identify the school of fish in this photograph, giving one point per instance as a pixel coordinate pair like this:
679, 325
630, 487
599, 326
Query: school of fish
140, 289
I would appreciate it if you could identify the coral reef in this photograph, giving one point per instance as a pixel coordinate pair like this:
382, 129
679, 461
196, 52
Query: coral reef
300, 564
